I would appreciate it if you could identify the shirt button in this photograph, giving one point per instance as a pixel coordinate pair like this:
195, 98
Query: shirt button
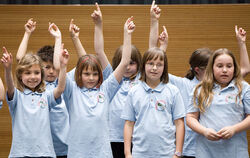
151, 100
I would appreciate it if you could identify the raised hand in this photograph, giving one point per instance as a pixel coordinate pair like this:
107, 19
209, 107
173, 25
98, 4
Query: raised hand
240, 34
211, 134
73, 29
155, 11
163, 37
30, 26
129, 25
97, 15
64, 57
54, 30
227, 132
6, 59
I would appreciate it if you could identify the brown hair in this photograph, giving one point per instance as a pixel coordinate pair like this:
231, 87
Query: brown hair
205, 96
135, 56
199, 58
153, 54
27, 61
85, 62
46, 53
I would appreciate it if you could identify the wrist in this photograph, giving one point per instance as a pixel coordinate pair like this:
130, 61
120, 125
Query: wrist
178, 153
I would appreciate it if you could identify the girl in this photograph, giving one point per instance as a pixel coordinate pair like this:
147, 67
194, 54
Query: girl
154, 112
198, 61
88, 135
130, 78
220, 109
28, 104
1, 93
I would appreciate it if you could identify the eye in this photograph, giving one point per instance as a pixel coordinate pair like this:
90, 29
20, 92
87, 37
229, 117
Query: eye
37, 72
159, 65
95, 73
132, 63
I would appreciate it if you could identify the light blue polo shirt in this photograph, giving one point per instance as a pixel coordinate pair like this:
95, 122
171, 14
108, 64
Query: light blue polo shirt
1, 104
154, 112
88, 112
224, 111
116, 124
59, 123
186, 87
31, 133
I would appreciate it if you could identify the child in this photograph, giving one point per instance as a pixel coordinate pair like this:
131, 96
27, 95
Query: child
59, 119
220, 109
130, 78
1, 93
88, 113
29, 105
154, 112
198, 61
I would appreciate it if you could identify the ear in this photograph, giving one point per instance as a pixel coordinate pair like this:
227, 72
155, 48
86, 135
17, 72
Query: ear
197, 70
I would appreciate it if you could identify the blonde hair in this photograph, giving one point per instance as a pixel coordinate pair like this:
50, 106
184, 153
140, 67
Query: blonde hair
25, 63
205, 96
153, 54
84, 63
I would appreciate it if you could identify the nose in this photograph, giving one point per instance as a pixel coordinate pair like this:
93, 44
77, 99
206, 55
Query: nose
91, 77
224, 69
128, 67
154, 67
51, 70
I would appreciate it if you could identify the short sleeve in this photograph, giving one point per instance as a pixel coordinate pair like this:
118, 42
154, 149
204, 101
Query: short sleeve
178, 106
1, 104
246, 98
68, 90
128, 112
12, 103
107, 71
71, 74
110, 86
51, 99
191, 108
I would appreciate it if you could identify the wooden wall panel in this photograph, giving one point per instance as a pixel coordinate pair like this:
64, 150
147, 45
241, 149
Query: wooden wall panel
189, 27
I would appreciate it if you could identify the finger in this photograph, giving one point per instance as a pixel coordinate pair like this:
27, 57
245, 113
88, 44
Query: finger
72, 21
97, 7
5, 50
153, 3
62, 46
236, 29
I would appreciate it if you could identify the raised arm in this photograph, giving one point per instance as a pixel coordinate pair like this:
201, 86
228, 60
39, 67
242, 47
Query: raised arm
98, 37
29, 27
128, 132
155, 13
129, 27
64, 58
74, 34
163, 39
56, 33
7, 63
2, 92
244, 59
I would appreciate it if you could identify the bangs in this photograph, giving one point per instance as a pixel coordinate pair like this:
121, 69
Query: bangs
155, 55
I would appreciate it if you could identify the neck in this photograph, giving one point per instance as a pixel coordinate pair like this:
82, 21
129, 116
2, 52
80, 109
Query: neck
153, 84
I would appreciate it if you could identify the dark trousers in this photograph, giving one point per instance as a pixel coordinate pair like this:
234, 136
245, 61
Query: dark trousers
64, 156
188, 157
118, 149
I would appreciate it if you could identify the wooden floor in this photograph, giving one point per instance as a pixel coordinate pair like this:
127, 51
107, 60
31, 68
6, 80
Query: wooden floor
189, 26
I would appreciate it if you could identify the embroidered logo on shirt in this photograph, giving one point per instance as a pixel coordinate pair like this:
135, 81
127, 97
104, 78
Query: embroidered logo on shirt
160, 105
230, 98
42, 103
133, 83
100, 98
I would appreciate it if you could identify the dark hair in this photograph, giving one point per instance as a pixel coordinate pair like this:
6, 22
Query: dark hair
84, 62
199, 58
153, 54
46, 53
135, 56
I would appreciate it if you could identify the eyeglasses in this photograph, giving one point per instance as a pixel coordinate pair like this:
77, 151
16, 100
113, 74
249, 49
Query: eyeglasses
151, 65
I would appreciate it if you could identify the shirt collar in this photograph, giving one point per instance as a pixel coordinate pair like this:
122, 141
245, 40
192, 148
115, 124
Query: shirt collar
230, 85
28, 91
159, 87
84, 89
55, 82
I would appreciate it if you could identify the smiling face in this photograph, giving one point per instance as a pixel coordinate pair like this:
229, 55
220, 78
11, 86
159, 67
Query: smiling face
31, 77
223, 69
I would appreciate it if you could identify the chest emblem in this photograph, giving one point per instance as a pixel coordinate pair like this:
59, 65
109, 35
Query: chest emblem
42, 103
100, 98
160, 105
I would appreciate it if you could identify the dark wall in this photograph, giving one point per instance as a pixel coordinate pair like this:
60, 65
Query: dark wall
122, 1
